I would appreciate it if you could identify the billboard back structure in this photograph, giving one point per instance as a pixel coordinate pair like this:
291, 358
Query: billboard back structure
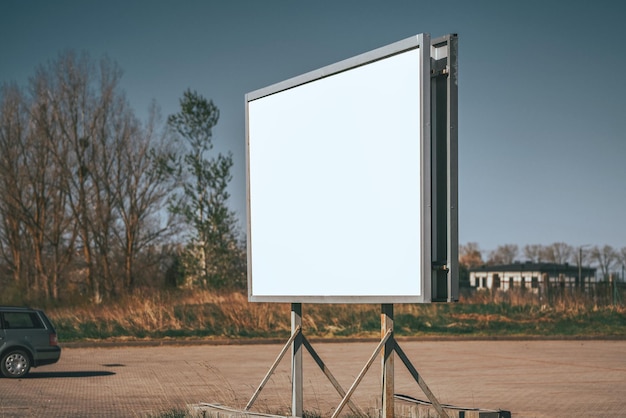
346, 167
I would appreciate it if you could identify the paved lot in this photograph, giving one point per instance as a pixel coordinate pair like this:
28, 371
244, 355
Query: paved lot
529, 378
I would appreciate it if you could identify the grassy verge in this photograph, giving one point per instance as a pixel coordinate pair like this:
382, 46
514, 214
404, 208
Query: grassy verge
205, 315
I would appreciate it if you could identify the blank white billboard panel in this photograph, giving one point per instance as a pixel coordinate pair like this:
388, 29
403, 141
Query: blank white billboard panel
334, 182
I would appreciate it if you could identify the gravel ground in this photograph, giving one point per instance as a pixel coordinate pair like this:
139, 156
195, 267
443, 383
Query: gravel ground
529, 378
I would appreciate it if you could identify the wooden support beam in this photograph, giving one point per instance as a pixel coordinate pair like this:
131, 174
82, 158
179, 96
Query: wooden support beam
358, 379
331, 378
272, 368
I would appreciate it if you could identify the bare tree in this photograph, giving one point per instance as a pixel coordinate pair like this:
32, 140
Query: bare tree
558, 252
470, 255
533, 252
13, 128
143, 188
82, 184
114, 127
31, 190
622, 261
59, 229
504, 254
35, 206
580, 256
67, 84
606, 257
99, 148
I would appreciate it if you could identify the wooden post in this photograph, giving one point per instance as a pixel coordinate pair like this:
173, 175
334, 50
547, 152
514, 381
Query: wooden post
269, 373
386, 325
296, 361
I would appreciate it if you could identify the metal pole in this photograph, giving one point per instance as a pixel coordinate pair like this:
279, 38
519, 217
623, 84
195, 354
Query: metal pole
386, 326
580, 267
296, 361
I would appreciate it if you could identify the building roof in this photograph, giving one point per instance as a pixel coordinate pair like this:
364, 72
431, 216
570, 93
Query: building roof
550, 268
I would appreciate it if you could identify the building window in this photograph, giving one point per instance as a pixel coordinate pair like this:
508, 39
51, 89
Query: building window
511, 283
476, 281
496, 281
534, 282
523, 282
484, 284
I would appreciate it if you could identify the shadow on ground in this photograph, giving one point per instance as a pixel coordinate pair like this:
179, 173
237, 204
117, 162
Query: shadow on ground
55, 375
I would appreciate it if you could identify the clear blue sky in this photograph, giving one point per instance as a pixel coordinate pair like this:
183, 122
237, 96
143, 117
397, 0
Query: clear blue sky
542, 94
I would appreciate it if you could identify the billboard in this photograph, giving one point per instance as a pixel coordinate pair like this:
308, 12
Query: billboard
339, 181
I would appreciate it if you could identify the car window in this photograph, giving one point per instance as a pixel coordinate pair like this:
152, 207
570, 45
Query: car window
22, 320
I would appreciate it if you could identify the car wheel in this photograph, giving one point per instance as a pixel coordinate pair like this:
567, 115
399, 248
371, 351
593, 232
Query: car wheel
15, 364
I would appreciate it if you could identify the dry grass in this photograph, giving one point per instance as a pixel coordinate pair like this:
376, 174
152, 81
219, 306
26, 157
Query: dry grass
205, 314
170, 314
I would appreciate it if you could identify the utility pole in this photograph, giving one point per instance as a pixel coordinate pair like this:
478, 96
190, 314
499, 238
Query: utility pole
580, 266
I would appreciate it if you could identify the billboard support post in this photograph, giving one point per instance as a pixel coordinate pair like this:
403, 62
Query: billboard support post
387, 345
296, 342
386, 325
296, 361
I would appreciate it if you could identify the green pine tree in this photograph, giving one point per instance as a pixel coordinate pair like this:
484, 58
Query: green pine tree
214, 257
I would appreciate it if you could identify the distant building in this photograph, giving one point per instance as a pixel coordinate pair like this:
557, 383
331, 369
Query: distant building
531, 276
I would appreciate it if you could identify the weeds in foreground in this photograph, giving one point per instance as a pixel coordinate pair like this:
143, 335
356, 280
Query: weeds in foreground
172, 413
180, 413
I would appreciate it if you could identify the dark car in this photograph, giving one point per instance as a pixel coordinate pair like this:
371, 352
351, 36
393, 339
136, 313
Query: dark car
27, 339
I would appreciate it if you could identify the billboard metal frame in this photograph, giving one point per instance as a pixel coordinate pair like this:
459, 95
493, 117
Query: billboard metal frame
438, 189
444, 157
